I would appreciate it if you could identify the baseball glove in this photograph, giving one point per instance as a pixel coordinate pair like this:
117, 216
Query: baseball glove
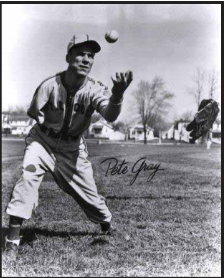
203, 120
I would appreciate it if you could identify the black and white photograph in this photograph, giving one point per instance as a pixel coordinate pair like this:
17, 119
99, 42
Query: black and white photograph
111, 140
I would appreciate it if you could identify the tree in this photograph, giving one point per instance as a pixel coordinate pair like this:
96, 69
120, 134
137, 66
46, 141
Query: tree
198, 88
208, 83
18, 110
204, 84
127, 122
152, 101
213, 83
118, 126
160, 125
187, 116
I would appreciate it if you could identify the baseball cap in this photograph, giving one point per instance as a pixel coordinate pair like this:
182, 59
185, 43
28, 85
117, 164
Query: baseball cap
83, 39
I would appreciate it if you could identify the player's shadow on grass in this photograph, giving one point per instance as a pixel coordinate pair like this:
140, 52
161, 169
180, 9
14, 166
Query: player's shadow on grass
29, 235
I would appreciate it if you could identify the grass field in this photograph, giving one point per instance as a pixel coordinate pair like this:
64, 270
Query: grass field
169, 226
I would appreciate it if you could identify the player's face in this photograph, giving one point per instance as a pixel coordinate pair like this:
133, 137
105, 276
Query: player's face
81, 60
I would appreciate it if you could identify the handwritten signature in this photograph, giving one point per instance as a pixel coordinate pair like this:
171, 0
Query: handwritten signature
122, 168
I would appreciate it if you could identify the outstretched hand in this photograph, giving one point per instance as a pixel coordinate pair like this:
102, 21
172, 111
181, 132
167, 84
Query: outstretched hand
121, 83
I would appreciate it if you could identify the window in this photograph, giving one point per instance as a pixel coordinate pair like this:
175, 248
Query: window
98, 130
216, 135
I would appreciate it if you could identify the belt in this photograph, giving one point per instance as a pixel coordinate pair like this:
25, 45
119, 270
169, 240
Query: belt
50, 133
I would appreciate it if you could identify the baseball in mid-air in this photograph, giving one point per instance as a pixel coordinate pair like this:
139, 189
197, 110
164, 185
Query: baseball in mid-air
111, 36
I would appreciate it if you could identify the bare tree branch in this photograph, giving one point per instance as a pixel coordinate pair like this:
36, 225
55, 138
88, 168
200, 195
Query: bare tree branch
213, 83
153, 102
197, 90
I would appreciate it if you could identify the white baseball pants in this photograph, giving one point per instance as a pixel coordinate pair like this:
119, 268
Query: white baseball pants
67, 161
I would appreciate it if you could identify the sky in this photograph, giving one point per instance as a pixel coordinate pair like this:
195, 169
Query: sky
166, 40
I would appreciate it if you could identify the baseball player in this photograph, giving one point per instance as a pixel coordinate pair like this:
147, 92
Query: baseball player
62, 107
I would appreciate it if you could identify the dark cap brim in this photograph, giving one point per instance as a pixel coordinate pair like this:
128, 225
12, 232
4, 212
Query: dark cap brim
93, 44
96, 47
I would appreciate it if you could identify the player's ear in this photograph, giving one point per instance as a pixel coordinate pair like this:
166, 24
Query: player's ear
67, 58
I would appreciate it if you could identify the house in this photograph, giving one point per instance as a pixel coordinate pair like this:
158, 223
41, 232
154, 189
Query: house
5, 117
182, 134
6, 128
216, 132
137, 133
21, 125
17, 125
169, 134
177, 131
102, 130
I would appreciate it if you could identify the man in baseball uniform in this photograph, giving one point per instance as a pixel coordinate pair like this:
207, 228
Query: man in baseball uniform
62, 107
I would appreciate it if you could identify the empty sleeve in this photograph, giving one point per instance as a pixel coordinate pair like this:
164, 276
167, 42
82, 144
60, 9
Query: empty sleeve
40, 98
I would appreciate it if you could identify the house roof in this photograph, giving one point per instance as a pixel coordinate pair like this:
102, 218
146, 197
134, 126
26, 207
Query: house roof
14, 118
100, 124
6, 125
216, 130
18, 118
176, 123
140, 127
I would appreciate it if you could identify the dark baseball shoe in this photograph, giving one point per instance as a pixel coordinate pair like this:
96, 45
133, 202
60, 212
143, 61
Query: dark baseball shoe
107, 229
11, 250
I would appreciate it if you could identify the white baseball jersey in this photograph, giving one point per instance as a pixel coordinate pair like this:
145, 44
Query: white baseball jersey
53, 107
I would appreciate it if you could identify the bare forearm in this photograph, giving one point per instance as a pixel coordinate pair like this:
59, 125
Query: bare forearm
112, 110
